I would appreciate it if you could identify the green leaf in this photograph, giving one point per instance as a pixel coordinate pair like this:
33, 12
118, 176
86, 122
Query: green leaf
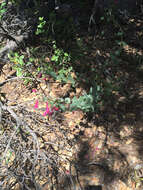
119, 33
67, 100
66, 54
45, 99
19, 72
118, 52
62, 107
61, 100
98, 88
102, 18
124, 44
54, 58
53, 74
41, 18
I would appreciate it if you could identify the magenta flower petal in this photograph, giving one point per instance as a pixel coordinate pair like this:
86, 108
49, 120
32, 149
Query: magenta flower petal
45, 113
36, 104
55, 108
34, 90
50, 113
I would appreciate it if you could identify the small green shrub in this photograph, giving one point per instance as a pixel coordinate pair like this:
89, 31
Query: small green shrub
19, 63
41, 26
84, 103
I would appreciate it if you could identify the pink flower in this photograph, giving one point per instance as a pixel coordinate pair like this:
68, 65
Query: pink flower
45, 113
34, 90
36, 104
48, 111
67, 172
44, 78
55, 108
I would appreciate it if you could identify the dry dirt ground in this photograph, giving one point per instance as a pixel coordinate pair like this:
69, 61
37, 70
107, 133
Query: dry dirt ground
107, 150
